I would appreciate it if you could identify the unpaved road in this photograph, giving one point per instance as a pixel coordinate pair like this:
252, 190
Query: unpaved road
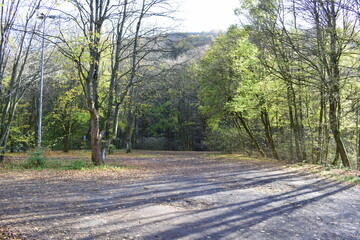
180, 196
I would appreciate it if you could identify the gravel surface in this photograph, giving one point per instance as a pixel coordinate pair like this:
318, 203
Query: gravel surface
179, 195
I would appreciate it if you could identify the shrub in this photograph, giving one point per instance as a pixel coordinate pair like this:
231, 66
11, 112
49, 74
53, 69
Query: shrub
352, 179
77, 165
225, 140
112, 148
36, 160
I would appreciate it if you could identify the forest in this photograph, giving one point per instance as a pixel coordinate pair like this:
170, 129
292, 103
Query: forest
282, 83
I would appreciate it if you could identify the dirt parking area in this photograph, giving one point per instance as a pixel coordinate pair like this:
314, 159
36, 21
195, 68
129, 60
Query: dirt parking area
179, 195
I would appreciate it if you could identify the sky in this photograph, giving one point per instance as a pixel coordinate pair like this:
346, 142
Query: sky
207, 15
202, 15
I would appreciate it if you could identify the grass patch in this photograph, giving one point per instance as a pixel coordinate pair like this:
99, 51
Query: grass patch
12, 166
77, 165
351, 179
339, 174
62, 164
55, 164
326, 173
106, 167
237, 156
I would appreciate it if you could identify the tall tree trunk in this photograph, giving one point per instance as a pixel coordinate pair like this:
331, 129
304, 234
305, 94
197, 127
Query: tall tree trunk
242, 140
113, 105
267, 126
110, 130
326, 139
334, 88
66, 141
300, 124
8, 117
334, 122
357, 143
320, 128
297, 126
249, 132
96, 154
129, 130
358, 151
292, 118
13, 90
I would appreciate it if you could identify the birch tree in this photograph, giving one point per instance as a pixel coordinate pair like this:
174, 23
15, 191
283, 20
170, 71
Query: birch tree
17, 39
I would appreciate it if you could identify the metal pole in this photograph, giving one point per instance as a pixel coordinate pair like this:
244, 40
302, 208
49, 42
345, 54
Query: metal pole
41, 85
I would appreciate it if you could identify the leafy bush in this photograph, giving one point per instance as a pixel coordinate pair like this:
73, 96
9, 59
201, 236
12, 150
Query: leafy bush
112, 148
225, 140
77, 165
352, 179
36, 160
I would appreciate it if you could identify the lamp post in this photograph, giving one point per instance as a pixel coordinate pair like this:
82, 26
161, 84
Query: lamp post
41, 84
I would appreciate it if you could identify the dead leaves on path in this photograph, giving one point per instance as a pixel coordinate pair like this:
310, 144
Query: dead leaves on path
7, 234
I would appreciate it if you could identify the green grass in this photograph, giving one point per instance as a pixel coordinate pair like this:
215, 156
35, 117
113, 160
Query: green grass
108, 167
351, 179
57, 160
237, 156
326, 173
57, 164
11, 166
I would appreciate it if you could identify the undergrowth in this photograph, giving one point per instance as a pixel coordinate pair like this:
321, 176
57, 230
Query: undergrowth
338, 176
36, 161
39, 162
336, 173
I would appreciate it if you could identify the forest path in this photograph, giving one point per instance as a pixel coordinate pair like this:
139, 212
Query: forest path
180, 195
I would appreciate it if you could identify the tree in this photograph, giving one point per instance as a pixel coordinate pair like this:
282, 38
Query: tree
255, 99
17, 34
222, 71
126, 42
307, 52
166, 113
66, 117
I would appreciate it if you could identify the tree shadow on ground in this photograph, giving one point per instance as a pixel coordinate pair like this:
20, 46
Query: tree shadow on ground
220, 203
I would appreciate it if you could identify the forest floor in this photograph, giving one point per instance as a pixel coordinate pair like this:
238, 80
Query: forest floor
179, 195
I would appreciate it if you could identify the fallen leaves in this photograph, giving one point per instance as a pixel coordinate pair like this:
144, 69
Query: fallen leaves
7, 234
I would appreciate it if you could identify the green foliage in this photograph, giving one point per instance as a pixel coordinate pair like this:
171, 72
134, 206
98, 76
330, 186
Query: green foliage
17, 139
162, 123
12, 166
112, 148
225, 72
352, 179
231, 86
223, 139
340, 175
167, 113
36, 160
21, 136
77, 165
67, 120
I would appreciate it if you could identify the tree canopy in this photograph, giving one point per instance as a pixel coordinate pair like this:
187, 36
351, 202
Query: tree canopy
283, 83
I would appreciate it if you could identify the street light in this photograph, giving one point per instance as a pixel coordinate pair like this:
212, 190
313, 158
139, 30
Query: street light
43, 17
